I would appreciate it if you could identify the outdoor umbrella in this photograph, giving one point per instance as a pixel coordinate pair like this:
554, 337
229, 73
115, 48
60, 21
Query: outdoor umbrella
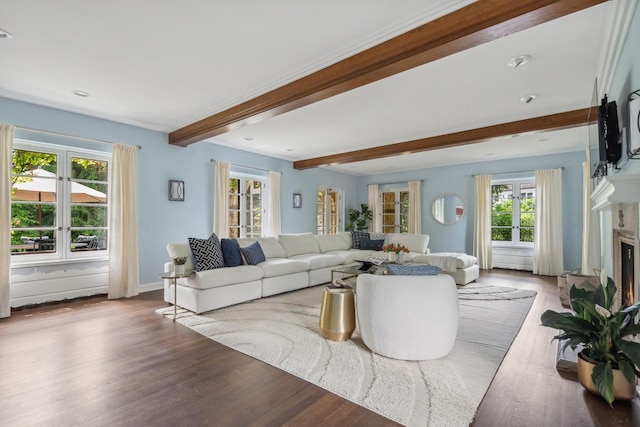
40, 186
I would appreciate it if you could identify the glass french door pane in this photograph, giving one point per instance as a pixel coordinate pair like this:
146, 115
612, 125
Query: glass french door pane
501, 234
89, 169
234, 232
527, 234
28, 215
404, 211
88, 216
84, 239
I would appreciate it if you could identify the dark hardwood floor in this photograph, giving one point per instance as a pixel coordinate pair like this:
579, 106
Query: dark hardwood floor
96, 362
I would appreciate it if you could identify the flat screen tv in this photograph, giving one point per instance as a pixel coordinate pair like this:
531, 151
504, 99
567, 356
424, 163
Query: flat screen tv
609, 132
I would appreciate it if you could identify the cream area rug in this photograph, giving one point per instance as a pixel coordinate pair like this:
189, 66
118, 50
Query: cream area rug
284, 331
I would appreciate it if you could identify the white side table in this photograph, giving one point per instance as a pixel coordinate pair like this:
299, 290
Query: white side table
173, 276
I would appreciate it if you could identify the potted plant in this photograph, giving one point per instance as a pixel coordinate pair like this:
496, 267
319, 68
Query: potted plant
396, 252
358, 218
179, 263
609, 361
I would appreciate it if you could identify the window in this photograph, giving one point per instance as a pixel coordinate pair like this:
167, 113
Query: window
395, 210
513, 207
247, 205
328, 218
58, 202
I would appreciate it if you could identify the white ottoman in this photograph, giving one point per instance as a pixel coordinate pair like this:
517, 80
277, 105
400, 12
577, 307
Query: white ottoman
407, 317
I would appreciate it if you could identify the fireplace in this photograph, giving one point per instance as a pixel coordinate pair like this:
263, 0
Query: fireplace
625, 277
617, 200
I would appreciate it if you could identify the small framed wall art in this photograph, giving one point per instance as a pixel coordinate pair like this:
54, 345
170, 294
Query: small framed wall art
176, 191
297, 200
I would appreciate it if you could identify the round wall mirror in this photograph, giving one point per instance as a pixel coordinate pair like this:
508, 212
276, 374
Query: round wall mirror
447, 208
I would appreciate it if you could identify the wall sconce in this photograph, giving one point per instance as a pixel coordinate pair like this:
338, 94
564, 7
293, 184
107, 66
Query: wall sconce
176, 191
297, 200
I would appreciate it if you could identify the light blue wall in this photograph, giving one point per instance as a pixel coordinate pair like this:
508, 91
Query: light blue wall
626, 80
161, 221
458, 179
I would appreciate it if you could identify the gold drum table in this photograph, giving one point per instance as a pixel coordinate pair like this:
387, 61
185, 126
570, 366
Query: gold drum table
338, 314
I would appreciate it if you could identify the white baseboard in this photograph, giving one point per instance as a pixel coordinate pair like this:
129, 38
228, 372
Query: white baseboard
147, 287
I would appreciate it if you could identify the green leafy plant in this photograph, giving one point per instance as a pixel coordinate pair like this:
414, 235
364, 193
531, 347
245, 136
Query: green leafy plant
180, 260
601, 332
358, 218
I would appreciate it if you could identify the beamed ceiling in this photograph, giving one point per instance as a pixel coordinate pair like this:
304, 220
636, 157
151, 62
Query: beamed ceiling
362, 88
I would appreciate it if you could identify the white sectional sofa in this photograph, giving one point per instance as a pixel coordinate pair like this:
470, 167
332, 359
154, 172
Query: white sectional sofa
292, 261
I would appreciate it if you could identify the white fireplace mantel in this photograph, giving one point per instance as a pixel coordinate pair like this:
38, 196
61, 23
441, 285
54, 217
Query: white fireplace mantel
616, 189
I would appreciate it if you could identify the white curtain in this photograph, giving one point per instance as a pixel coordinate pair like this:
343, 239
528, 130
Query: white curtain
6, 160
221, 199
376, 225
590, 224
482, 248
124, 278
415, 208
274, 203
547, 246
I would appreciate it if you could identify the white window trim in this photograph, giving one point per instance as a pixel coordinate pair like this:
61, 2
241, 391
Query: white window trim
62, 255
264, 202
340, 208
516, 214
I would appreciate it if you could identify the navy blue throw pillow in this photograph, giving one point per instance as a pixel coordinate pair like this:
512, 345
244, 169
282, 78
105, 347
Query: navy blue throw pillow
413, 270
253, 254
357, 237
371, 245
231, 252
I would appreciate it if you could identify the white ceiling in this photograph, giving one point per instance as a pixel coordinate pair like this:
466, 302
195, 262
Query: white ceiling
164, 64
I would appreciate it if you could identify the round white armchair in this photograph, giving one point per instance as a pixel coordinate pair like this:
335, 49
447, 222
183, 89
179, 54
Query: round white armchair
407, 317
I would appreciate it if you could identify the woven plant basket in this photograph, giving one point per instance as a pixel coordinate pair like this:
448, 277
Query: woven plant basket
580, 281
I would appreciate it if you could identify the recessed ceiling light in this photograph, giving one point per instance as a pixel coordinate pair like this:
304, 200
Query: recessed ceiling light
519, 60
291, 150
544, 139
248, 138
490, 154
528, 98
5, 34
81, 93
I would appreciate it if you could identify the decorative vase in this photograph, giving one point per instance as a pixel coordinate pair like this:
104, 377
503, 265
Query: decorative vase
400, 258
622, 389
178, 268
392, 257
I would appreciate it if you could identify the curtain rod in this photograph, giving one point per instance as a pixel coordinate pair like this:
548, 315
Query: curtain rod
69, 136
248, 167
394, 183
510, 173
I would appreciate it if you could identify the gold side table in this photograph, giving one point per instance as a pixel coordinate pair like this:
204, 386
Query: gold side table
338, 314
174, 277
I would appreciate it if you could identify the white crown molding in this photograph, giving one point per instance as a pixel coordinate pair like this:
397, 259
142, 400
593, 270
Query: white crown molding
616, 28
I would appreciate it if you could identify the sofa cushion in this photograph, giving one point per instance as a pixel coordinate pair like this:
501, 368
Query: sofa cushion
231, 252
331, 242
296, 244
181, 249
222, 277
377, 236
357, 237
253, 254
275, 267
346, 235
414, 242
371, 245
413, 270
272, 248
316, 261
207, 253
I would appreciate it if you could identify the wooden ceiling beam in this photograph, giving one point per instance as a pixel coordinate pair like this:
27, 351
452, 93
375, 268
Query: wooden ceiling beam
478, 23
564, 120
